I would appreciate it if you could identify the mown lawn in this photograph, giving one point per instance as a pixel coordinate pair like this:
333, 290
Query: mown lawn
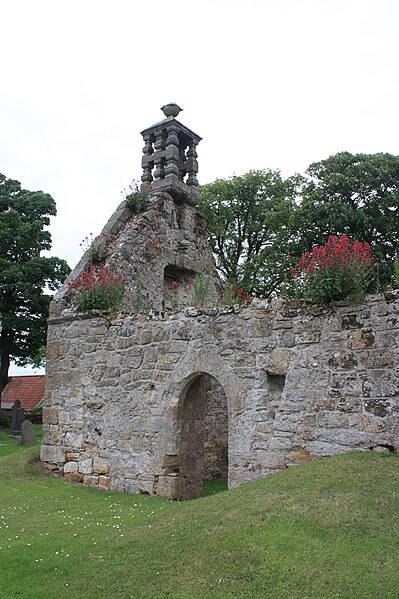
9, 444
323, 530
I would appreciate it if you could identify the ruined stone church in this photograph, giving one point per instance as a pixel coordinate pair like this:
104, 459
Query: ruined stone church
168, 392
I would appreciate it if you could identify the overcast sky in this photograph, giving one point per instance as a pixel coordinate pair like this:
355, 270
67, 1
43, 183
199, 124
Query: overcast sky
267, 83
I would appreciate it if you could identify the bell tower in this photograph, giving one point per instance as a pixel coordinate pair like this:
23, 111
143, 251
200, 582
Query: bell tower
170, 157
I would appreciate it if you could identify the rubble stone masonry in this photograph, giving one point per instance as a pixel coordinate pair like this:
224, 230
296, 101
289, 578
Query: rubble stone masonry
300, 382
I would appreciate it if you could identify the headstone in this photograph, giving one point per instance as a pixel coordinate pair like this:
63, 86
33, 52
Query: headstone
28, 433
19, 419
14, 409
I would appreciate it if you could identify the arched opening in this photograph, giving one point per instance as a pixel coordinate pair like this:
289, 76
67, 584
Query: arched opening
203, 447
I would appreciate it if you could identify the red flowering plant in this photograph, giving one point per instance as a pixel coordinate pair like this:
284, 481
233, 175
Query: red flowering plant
336, 270
96, 289
235, 295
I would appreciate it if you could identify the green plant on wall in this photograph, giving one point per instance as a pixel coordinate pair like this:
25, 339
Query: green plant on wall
136, 196
96, 248
202, 289
139, 304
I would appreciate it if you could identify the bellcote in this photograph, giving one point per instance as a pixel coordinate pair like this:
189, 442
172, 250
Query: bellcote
170, 157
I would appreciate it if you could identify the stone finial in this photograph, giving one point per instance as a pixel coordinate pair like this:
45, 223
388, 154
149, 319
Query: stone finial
170, 157
171, 109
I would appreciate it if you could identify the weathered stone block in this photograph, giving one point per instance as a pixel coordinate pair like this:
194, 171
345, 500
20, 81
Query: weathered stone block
343, 359
53, 350
76, 477
281, 324
51, 453
377, 406
281, 443
361, 339
55, 435
100, 466
169, 486
74, 440
371, 425
146, 337
72, 455
70, 467
377, 359
86, 465
90, 481
299, 455
307, 337
50, 415
104, 483
64, 416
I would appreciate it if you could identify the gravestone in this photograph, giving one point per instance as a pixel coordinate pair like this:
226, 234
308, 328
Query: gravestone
19, 419
14, 409
28, 433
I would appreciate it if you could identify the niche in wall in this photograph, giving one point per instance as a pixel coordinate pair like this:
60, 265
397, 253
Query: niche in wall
178, 287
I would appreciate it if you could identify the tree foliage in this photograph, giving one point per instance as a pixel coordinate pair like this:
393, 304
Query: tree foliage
260, 224
247, 218
25, 275
356, 195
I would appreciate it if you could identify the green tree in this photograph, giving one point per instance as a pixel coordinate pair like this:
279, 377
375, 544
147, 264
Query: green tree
356, 195
248, 223
25, 275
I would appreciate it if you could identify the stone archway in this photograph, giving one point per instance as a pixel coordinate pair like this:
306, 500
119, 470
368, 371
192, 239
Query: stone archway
203, 443
169, 480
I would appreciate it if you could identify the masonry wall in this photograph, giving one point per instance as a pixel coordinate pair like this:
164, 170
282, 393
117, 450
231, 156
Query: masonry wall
300, 381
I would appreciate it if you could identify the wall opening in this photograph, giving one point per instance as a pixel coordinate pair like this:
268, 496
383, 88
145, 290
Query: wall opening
178, 287
276, 383
276, 386
203, 448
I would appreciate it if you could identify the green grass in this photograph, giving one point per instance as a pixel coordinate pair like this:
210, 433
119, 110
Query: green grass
9, 444
324, 530
214, 486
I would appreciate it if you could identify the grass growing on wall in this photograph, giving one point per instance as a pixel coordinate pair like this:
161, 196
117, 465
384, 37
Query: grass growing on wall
326, 529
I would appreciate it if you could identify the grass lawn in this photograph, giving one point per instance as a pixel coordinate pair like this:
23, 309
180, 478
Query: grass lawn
10, 444
327, 529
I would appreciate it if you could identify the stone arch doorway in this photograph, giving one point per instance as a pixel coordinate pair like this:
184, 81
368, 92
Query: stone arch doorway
203, 442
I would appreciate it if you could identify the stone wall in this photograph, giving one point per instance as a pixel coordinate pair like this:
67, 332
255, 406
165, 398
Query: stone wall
164, 244
301, 382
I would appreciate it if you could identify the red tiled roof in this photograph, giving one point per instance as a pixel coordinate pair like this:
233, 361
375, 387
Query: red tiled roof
29, 389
